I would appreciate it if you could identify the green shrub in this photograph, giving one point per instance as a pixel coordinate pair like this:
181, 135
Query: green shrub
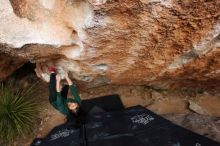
18, 111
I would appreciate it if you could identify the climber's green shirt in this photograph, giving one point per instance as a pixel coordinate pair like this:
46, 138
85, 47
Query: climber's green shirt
61, 103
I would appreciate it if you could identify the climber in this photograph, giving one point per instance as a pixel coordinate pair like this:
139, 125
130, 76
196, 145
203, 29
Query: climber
70, 107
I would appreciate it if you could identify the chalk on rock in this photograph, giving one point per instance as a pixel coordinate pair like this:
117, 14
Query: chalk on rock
97, 2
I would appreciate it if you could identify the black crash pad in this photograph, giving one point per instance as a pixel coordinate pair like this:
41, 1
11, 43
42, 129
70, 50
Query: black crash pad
63, 135
108, 103
140, 127
135, 126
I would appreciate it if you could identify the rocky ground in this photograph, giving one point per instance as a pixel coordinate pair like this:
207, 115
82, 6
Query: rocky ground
197, 110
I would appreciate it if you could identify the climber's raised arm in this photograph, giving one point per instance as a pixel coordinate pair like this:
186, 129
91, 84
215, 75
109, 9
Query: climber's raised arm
58, 83
73, 89
69, 81
60, 101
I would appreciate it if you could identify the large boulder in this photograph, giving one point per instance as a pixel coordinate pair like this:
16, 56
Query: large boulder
166, 43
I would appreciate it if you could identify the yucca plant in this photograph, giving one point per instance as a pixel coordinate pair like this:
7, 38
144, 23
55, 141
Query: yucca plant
17, 112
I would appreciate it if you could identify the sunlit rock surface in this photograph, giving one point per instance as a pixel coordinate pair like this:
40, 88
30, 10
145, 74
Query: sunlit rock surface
165, 43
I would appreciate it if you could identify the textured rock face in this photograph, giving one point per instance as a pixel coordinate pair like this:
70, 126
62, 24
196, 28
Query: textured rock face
167, 43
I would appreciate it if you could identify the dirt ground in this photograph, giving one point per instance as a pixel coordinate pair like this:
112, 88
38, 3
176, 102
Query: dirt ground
199, 112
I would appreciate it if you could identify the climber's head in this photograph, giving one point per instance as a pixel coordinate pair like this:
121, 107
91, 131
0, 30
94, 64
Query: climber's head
72, 105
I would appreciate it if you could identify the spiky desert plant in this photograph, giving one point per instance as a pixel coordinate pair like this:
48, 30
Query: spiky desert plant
17, 112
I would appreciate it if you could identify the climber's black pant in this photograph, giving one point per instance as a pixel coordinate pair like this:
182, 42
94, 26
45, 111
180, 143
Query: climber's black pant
52, 89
